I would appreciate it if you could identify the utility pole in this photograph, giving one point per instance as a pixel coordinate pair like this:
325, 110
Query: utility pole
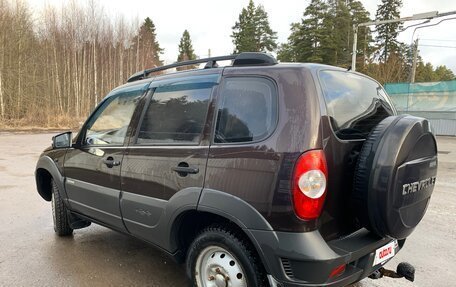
415, 56
420, 16
355, 46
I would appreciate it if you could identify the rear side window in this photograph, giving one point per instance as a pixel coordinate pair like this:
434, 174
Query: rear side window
176, 114
355, 104
247, 110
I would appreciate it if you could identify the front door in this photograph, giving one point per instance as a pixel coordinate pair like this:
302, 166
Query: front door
92, 168
163, 168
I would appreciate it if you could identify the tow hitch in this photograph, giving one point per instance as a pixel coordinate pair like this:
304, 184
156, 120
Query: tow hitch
403, 270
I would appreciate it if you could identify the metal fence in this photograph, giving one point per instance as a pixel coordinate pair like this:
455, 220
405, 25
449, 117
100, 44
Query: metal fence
435, 101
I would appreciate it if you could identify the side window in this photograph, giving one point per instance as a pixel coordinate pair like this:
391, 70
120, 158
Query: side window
354, 103
247, 110
108, 126
176, 114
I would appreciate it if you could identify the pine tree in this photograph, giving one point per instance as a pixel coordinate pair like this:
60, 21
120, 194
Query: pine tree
146, 44
244, 30
252, 32
426, 73
266, 39
325, 33
387, 33
336, 39
287, 53
186, 51
442, 73
306, 38
404, 53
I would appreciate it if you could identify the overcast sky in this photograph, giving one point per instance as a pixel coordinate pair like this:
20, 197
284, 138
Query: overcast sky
209, 23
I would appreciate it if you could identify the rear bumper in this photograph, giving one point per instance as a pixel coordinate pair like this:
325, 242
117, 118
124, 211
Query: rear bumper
306, 259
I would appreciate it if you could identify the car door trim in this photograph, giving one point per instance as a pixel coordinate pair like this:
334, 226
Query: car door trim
96, 193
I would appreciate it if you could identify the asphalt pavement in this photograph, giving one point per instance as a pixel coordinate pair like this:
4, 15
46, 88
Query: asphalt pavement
32, 255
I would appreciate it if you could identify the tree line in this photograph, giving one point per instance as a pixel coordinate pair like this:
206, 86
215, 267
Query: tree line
53, 71
325, 35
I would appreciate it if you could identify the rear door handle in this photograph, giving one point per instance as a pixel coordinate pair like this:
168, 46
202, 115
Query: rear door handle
110, 162
184, 170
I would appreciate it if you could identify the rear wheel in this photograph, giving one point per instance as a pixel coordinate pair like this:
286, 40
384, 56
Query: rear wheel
59, 213
219, 257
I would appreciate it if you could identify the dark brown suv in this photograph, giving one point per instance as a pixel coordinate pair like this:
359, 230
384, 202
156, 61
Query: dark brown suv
254, 174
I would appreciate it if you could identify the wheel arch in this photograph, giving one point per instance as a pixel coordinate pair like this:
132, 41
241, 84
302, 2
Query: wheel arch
216, 207
46, 170
43, 183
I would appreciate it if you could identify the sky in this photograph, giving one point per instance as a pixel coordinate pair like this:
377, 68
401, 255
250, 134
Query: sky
210, 21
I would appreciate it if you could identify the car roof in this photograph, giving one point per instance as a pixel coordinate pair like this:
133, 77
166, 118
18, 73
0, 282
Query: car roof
145, 83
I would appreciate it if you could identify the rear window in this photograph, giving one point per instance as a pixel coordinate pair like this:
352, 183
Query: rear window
176, 114
355, 104
247, 110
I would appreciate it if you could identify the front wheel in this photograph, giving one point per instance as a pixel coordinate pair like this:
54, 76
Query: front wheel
219, 257
59, 213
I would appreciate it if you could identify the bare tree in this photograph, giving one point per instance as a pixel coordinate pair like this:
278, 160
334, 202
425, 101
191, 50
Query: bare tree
54, 68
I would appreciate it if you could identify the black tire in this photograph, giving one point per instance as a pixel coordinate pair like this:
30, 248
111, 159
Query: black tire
59, 213
239, 248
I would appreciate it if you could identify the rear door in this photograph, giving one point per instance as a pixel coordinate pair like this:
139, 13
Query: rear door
92, 167
244, 159
166, 161
355, 104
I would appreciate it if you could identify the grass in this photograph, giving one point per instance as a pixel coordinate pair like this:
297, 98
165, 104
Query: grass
55, 123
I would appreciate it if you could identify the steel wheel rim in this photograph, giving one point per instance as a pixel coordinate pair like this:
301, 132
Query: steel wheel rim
216, 267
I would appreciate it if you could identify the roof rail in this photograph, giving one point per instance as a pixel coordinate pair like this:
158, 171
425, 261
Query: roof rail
242, 59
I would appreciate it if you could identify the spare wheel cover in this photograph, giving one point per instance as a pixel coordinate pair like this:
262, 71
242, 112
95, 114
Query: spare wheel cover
395, 176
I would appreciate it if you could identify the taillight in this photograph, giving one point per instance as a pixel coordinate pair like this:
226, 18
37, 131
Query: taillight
309, 184
337, 271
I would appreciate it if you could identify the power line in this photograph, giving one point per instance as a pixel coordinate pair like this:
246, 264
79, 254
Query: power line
439, 40
421, 16
437, 46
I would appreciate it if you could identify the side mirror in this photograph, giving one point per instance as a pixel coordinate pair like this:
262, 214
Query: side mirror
63, 140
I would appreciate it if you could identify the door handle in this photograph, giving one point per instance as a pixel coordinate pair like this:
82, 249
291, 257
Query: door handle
110, 162
183, 169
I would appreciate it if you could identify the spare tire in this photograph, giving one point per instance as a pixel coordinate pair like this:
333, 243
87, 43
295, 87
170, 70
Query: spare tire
395, 176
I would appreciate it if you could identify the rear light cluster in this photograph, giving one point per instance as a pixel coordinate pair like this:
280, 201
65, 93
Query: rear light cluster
309, 184
339, 270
